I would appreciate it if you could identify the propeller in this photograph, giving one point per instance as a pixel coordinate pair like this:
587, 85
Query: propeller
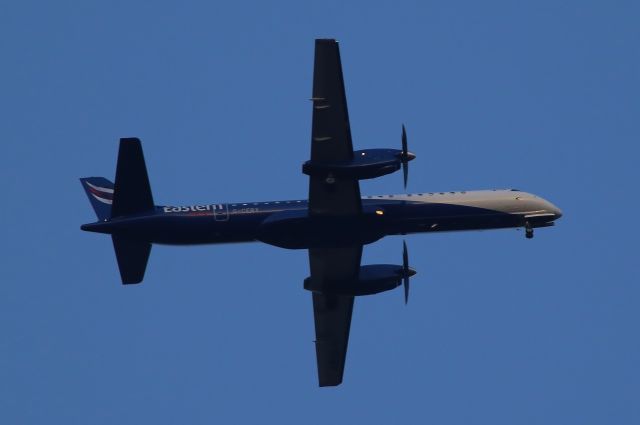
407, 271
405, 157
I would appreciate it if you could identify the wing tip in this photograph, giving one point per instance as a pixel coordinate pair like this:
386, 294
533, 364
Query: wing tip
326, 41
330, 383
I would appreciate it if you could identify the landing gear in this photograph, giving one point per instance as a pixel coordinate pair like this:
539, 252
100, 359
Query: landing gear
528, 230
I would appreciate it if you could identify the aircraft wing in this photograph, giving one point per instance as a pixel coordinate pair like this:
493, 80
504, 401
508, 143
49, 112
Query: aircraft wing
328, 196
331, 135
332, 313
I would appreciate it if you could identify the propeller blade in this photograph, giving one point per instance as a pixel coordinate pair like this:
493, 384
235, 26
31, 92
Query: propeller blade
405, 271
405, 257
405, 157
405, 150
406, 290
405, 172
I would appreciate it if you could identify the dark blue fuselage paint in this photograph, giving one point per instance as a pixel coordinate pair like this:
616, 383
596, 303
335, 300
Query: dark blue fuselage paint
288, 224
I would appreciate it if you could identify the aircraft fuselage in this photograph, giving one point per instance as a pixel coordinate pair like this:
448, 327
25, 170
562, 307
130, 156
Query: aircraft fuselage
288, 224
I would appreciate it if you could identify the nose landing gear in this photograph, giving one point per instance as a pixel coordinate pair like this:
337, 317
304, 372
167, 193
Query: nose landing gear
528, 230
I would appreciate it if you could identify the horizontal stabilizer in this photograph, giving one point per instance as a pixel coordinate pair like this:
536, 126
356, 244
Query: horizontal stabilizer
132, 258
132, 190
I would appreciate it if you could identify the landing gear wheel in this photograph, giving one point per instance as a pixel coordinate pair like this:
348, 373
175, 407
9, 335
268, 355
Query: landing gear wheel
528, 231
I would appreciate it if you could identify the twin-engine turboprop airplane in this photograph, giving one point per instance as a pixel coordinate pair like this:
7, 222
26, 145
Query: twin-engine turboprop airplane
333, 223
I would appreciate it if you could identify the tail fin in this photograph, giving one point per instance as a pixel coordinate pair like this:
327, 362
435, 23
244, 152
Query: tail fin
100, 193
132, 190
131, 194
132, 258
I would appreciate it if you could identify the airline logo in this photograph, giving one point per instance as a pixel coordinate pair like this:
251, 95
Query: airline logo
102, 194
193, 208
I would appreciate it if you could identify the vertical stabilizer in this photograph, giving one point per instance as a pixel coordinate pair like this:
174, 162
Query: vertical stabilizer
100, 193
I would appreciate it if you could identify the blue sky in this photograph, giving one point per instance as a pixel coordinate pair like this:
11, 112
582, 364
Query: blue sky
541, 96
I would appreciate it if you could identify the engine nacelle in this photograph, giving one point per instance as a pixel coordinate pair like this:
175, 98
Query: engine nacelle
366, 164
372, 279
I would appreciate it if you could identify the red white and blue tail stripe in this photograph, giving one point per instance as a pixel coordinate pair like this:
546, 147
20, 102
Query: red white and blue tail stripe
100, 193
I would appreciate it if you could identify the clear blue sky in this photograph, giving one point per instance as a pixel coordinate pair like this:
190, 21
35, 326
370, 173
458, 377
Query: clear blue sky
542, 96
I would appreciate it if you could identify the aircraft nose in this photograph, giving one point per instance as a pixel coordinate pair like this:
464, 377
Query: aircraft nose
557, 212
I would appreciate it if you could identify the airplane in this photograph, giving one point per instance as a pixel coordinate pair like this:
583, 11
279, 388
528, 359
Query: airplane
333, 223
